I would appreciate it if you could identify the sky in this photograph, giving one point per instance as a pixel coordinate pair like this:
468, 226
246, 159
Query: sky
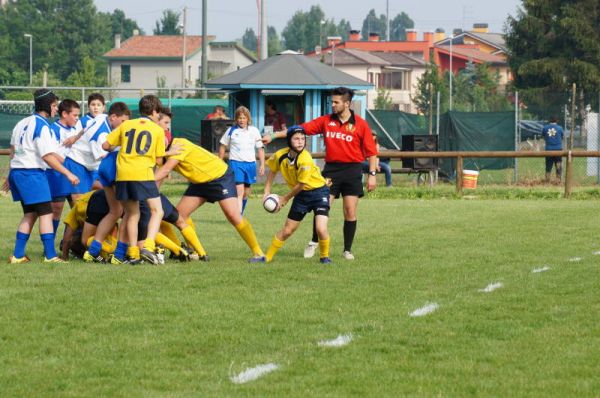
228, 19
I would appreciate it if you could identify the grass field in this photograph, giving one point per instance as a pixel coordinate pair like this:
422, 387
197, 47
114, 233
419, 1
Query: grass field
187, 329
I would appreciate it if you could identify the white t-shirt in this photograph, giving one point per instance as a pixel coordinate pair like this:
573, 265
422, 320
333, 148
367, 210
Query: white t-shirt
32, 140
60, 133
242, 143
88, 151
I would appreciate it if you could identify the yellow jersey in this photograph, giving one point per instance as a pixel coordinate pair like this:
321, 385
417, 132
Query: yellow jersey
76, 216
302, 169
142, 141
197, 164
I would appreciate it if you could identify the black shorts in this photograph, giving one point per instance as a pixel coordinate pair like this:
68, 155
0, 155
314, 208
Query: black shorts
316, 200
97, 208
215, 190
136, 190
144, 220
550, 161
346, 179
171, 215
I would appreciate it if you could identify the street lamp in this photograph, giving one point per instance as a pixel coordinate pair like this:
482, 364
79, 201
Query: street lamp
30, 58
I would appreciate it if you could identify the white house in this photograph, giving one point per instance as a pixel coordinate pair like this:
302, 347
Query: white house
157, 61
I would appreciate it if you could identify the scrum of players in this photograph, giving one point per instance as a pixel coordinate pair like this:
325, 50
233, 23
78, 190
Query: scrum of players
109, 168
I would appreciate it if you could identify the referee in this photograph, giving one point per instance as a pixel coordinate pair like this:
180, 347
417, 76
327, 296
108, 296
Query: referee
348, 140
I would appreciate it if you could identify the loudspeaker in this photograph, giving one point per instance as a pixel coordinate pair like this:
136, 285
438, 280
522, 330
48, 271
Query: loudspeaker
211, 132
420, 143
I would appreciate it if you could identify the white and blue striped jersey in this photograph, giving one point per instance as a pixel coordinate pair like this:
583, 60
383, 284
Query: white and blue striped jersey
60, 133
32, 140
85, 120
88, 151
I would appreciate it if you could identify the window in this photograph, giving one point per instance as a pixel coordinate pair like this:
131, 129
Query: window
397, 80
125, 73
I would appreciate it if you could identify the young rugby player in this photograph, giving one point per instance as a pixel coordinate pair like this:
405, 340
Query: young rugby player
308, 189
32, 149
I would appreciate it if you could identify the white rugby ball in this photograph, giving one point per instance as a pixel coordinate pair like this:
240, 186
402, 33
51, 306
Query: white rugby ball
271, 202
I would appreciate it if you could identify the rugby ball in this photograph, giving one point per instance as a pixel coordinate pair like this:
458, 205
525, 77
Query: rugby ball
271, 202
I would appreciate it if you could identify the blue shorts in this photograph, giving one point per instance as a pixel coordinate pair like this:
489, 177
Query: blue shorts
86, 177
29, 186
107, 171
245, 172
59, 185
171, 215
316, 200
136, 190
215, 190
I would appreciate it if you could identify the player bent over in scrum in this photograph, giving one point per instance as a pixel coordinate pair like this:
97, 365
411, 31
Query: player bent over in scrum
308, 188
210, 181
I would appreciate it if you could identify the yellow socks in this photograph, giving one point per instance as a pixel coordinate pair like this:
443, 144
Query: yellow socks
149, 244
276, 244
133, 252
324, 247
169, 231
167, 243
189, 233
247, 233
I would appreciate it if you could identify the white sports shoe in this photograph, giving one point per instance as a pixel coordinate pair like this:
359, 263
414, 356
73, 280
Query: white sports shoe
310, 249
348, 255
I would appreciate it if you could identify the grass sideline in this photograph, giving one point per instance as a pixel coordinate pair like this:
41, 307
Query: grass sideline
184, 329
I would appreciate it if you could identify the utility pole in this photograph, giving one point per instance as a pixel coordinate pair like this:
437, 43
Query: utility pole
387, 19
204, 76
451, 74
264, 40
183, 55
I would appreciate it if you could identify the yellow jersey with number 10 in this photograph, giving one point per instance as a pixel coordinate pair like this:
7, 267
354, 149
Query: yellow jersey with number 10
197, 164
142, 141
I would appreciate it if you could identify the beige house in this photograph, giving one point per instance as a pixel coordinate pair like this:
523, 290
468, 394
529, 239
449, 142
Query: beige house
157, 61
395, 72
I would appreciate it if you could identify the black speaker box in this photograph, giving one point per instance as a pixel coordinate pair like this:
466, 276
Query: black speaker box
211, 132
420, 143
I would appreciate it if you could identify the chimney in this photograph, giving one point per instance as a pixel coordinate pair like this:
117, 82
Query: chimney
333, 40
428, 37
411, 35
439, 35
456, 32
373, 36
117, 40
481, 28
136, 32
354, 35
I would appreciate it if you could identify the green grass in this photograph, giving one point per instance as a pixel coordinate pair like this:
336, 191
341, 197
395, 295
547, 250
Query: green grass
183, 329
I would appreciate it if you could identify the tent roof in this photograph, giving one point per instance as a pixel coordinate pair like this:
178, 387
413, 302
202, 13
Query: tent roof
288, 71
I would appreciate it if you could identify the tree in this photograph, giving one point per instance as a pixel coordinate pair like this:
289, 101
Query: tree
398, 27
120, 24
249, 40
553, 44
343, 29
305, 30
383, 101
273, 43
373, 24
428, 85
168, 23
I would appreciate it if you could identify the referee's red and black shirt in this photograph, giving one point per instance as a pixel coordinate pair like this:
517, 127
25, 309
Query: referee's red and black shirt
349, 142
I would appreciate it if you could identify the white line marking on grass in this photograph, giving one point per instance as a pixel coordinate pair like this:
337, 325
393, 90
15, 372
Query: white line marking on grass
251, 374
575, 259
538, 270
491, 287
340, 341
427, 309
596, 253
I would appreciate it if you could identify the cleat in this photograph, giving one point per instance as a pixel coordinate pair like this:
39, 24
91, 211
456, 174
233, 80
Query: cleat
160, 254
325, 260
89, 258
257, 259
149, 256
134, 261
21, 260
204, 258
184, 256
195, 257
310, 249
116, 261
55, 260
348, 255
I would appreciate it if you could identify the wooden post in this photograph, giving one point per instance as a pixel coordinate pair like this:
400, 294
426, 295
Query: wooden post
459, 174
569, 176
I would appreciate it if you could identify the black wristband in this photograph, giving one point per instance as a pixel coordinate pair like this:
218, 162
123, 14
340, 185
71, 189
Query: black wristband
372, 173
